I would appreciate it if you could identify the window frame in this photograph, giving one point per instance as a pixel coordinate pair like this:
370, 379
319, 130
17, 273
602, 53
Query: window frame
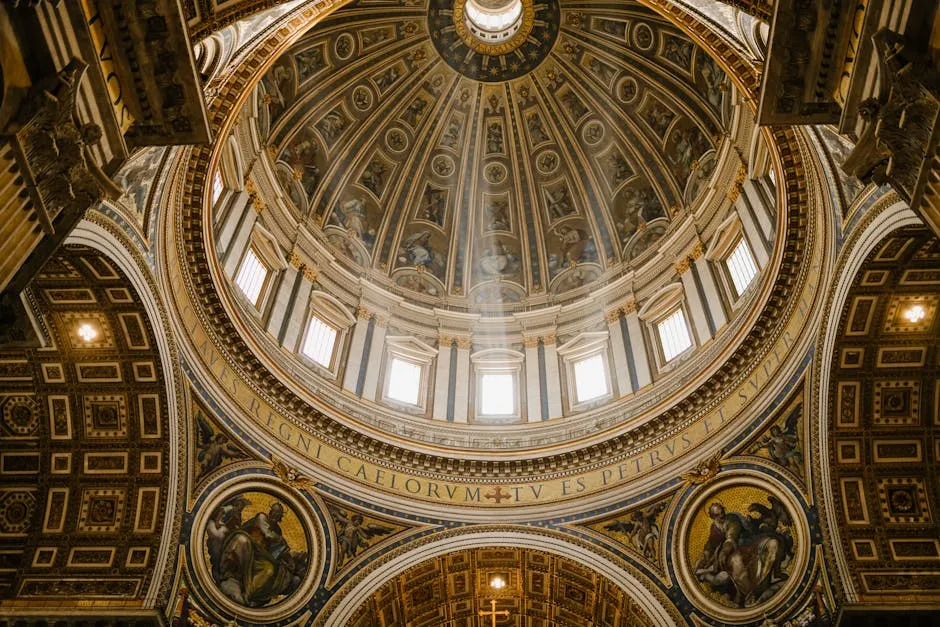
729, 235
586, 346
658, 327
729, 276
266, 249
411, 350
657, 309
265, 283
217, 192
332, 312
502, 361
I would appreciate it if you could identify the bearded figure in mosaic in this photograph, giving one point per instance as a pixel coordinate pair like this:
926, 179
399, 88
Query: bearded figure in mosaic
746, 555
252, 562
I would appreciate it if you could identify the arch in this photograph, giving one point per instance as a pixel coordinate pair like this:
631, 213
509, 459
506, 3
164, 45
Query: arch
892, 218
96, 233
655, 605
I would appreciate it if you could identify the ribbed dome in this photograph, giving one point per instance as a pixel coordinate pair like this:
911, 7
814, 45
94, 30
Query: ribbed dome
493, 174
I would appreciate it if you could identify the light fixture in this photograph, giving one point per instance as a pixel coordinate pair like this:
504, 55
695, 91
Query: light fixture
87, 332
915, 313
497, 582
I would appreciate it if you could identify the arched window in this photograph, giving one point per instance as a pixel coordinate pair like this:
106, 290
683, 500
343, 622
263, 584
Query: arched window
667, 324
325, 332
732, 255
497, 377
587, 369
407, 372
261, 261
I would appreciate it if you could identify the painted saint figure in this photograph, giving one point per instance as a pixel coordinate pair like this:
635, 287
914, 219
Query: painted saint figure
252, 562
745, 556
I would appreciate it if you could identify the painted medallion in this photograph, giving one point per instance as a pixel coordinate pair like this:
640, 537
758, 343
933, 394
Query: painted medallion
741, 546
256, 548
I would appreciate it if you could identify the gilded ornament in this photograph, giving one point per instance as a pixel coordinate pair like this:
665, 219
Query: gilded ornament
290, 476
309, 273
705, 471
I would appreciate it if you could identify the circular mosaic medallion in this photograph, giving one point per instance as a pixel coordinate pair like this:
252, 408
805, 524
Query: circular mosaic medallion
547, 162
396, 140
255, 549
344, 46
495, 173
593, 133
443, 166
643, 36
362, 98
627, 89
507, 55
743, 547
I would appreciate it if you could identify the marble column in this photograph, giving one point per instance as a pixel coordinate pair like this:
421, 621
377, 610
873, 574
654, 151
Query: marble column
533, 391
763, 205
462, 390
441, 384
243, 221
285, 299
709, 283
296, 320
370, 389
694, 299
357, 345
752, 232
637, 347
621, 374
552, 376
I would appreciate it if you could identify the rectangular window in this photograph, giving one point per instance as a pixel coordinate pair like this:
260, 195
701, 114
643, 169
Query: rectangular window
251, 276
741, 266
319, 343
674, 335
590, 378
404, 381
216, 186
497, 394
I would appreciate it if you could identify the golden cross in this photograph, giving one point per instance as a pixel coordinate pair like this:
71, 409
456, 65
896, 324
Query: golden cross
493, 612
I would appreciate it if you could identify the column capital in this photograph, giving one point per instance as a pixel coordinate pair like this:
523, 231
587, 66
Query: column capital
739, 179
257, 204
294, 259
309, 273
682, 265
626, 308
